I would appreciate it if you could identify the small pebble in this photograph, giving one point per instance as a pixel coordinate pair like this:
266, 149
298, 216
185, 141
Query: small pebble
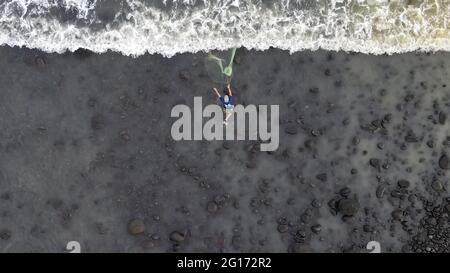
444, 162
211, 207
136, 227
316, 229
177, 236
402, 183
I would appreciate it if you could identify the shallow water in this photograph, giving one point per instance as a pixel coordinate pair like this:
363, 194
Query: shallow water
134, 27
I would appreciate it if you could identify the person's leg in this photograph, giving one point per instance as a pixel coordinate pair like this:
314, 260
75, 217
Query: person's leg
228, 113
227, 116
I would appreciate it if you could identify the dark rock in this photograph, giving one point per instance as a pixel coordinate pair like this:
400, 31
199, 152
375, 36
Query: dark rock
305, 217
380, 146
345, 192
437, 185
309, 144
316, 203
447, 209
98, 122
124, 135
348, 207
101, 228
369, 128
291, 129
5, 234
381, 191
315, 133
444, 162
251, 164
333, 211
300, 236
5, 196
316, 229
412, 198
322, 177
220, 199
399, 193
431, 221
442, 118
283, 228
212, 207
402, 183
92, 102
397, 214
185, 75
282, 221
226, 145
376, 123
333, 203
237, 59
411, 138
387, 117
375, 163
292, 103
368, 229
314, 90
37, 231
40, 61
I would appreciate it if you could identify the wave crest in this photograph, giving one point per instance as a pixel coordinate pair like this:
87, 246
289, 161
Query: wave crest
168, 27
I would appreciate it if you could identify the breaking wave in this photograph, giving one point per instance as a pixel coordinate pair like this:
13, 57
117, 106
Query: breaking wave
168, 27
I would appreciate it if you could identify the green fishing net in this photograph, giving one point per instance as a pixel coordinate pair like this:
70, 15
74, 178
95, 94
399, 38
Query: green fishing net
219, 66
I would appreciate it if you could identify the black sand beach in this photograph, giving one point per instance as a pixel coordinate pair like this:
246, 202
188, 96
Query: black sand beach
87, 155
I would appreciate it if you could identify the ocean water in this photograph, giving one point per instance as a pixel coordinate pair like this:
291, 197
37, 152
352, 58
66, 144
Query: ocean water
168, 27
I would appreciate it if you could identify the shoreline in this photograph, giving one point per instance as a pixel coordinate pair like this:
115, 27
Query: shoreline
332, 49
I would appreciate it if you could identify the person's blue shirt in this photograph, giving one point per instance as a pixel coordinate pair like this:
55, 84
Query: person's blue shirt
226, 105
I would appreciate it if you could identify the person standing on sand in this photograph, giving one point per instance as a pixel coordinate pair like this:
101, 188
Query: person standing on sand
226, 102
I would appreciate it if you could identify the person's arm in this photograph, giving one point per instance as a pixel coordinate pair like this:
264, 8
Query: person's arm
217, 92
229, 90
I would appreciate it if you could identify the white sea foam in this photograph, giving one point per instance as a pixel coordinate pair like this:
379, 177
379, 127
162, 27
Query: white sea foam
134, 28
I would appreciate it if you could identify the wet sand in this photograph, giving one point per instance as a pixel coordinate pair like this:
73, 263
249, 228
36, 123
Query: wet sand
87, 154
